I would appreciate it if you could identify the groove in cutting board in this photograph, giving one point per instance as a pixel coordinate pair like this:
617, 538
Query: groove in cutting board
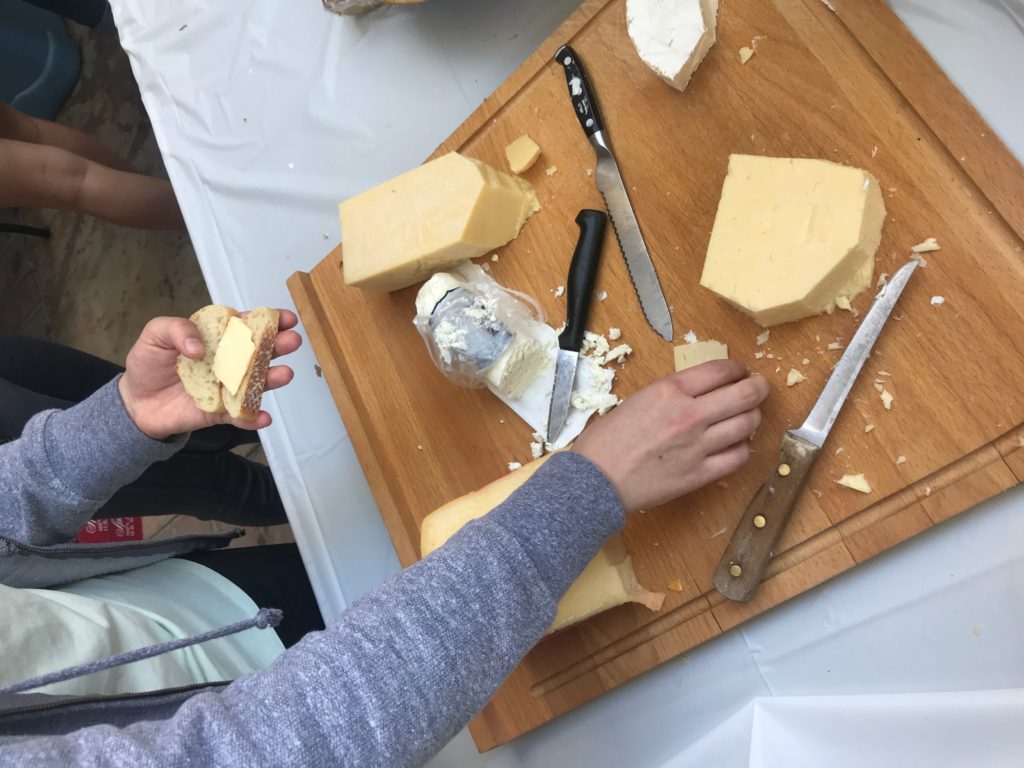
822, 85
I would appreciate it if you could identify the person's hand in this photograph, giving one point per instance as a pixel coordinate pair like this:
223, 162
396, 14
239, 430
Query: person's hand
153, 393
678, 434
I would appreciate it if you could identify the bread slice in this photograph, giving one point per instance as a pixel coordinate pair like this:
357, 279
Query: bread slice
197, 375
262, 321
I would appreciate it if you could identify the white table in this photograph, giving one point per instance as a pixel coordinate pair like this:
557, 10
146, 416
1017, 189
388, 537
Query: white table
269, 113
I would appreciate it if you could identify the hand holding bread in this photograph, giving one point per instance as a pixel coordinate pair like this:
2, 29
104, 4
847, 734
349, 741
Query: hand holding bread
171, 383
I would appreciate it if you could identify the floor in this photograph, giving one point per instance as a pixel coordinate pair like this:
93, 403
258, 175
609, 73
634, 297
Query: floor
94, 285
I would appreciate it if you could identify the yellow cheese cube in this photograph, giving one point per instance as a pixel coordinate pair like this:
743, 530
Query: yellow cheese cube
431, 218
689, 355
522, 154
791, 236
607, 581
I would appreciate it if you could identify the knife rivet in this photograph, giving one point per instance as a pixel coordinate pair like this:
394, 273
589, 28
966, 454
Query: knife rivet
784, 469
760, 522
735, 570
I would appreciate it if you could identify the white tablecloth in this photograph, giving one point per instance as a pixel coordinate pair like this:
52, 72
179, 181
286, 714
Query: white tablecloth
269, 113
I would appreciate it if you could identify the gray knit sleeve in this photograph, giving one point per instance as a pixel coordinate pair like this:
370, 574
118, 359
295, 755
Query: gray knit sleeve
67, 464
406, 667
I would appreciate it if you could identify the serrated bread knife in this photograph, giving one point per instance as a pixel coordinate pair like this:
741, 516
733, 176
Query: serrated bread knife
609, 184
746, 557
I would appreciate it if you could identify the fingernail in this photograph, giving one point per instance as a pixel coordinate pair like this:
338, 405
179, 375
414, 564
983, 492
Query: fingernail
193, 346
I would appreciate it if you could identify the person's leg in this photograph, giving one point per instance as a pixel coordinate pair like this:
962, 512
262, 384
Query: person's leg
56, 376
208, 486
50, 177
16, 125
274, 577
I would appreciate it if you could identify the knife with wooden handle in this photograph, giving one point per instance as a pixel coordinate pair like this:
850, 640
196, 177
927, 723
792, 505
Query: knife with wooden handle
742, 567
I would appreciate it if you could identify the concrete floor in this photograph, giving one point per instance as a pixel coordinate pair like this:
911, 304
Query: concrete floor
93, 285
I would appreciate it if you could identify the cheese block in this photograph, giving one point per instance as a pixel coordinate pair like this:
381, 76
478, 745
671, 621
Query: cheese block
689, 355
234, 354
793, 235
433, 217
606, 582
522, 154
672, 37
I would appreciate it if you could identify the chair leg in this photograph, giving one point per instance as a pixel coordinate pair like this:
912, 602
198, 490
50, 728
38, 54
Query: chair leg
24, 229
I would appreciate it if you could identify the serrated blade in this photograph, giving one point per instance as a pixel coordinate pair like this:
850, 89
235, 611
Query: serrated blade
631, 241
825, 411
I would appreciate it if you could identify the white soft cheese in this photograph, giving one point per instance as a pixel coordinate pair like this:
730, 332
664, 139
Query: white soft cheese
518, 367
672, 36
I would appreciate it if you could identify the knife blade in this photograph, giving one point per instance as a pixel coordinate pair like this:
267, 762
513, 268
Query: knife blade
746, 557
613, 191
579, 291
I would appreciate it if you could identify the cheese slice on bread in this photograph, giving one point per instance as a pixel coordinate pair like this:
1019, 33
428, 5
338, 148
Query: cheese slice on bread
232, 373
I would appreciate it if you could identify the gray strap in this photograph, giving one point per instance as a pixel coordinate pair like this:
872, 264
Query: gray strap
267, 617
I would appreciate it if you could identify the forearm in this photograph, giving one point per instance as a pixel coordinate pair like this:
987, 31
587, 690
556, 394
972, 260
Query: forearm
409, 664
68, 463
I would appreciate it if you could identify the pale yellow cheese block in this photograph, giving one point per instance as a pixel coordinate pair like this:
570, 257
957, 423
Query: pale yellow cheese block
606, 582
689, 355
234, 354
433, 217
792, 235
522, 154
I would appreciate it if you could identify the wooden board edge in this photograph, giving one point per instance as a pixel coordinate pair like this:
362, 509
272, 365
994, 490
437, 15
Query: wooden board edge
970, 141
310, 310
525, 72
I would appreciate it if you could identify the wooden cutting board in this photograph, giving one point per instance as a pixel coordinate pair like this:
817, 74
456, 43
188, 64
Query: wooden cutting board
854, 87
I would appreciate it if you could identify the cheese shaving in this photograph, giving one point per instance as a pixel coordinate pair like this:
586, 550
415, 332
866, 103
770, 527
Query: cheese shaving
855, 482
927, 246
886, 399
794, 377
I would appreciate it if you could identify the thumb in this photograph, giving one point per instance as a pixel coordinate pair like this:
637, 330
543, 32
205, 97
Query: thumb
174, 333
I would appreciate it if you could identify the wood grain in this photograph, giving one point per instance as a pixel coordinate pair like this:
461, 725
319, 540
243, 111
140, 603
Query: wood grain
853, 87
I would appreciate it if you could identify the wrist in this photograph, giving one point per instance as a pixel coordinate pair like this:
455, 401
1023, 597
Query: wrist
135, 413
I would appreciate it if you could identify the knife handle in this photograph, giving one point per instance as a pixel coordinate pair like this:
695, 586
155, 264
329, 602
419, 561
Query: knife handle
580, 92
746, 558
579, 288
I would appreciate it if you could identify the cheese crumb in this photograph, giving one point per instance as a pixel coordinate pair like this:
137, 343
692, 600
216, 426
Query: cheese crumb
589, 172
595, 343
559, 291
618, 354
886, 399
843, 303
794, 377
746, 54
758, 355
676, 586
551, 170
839, 450
927, 246
805, 361
920, 260
816, 492
762, 338
901, 460
536, 450
419, 447
868, 428
494, 257
689, 337
855, 482
927, 490
938, 301
601, 295
883, 280
514, 465
874, 150
614, 334
835, 345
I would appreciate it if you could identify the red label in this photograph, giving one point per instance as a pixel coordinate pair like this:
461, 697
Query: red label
113, 529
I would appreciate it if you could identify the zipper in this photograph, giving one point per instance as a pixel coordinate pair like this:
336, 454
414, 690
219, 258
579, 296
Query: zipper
131, 547
74, 701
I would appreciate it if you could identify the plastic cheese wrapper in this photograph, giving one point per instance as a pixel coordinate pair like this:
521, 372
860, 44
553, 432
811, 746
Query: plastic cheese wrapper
481, 334
607, 581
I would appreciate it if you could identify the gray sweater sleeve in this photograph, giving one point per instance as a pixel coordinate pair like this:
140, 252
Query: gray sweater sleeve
67, 464
406, 667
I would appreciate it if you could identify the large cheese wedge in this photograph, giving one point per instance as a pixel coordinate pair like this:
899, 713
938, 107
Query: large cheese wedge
672, 36
792, 235
606, 582
431, 218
